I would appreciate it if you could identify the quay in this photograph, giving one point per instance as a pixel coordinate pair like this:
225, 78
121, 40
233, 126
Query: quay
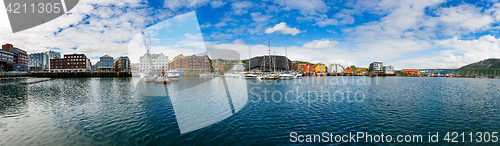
66, 74
81, 74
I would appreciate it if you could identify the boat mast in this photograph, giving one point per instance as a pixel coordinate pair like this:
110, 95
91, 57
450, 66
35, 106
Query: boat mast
269, 45
286, 55
249, 56
274, 61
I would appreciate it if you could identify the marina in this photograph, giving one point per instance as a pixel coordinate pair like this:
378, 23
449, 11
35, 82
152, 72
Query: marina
126, 111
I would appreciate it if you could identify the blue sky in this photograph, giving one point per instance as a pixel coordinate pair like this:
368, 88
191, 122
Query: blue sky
406, 34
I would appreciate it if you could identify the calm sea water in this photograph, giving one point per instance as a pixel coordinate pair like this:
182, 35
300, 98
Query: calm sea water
126, 111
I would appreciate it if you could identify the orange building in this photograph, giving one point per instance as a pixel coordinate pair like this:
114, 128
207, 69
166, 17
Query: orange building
307, 68
361, 70
179, 62
348, 70
411, 71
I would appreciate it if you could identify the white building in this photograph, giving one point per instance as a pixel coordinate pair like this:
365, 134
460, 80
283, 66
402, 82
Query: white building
389, 69
158, 62
376, 67
335, 68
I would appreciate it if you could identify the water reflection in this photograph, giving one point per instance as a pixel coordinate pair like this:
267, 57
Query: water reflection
13, 97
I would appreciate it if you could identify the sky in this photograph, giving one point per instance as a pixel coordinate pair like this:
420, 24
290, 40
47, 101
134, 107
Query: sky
402, 33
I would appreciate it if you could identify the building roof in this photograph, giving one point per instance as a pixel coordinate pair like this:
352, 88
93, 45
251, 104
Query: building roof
106, 56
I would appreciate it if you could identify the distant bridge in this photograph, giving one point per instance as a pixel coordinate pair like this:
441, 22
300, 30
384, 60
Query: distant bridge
490, 72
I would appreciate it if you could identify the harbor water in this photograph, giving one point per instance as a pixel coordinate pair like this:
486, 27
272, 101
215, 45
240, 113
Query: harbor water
235, 111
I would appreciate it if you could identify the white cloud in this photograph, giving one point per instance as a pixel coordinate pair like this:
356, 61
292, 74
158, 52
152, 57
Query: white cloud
240, 8
306, 7
216, 4
258, 17
324, 43
220, 24
283, 28
176, 4
325, 22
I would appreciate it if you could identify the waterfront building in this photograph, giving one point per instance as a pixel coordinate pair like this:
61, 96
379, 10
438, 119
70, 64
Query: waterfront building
193, 63
307, 68
295, 66
106, 63
6, 57
238, 68
411, 71
269, 63
219, 68
41, 61
361, 70
348, 70
96, 66
320, 68
71, 63
157, 62
20, 58
336, 68
376, 67
389, 69
122, 64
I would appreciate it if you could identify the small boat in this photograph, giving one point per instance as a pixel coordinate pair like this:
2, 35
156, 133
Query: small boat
251, 76
173, 75
271, 77
163, 80
286, 76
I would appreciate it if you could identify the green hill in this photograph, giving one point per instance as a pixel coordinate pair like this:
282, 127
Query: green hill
487, 63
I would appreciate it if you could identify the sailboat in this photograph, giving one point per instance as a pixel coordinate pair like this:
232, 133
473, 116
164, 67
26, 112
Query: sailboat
148, 75
249, 74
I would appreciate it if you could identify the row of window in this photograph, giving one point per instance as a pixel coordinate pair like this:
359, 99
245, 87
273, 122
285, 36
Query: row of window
68, 67
74, 57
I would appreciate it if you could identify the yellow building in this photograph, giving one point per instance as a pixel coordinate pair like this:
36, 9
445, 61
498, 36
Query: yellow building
320, 68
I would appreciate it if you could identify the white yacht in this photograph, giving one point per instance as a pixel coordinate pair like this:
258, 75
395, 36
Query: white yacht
251, 76
286, 76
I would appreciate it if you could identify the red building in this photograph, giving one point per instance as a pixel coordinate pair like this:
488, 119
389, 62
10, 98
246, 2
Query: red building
20, 58
348, 70
307, 68
411, 71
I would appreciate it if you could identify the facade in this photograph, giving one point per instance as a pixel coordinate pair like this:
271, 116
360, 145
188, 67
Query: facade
269, 63
361, 70
295, 66
122, 64
411, 71
6, 57
348, 70
376, 67
158, 62
320, 68
106, 63
20, 59
307, 68
193, 63
219, 68
96, 66
41, 61
71, 63
389, 69
335, 68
